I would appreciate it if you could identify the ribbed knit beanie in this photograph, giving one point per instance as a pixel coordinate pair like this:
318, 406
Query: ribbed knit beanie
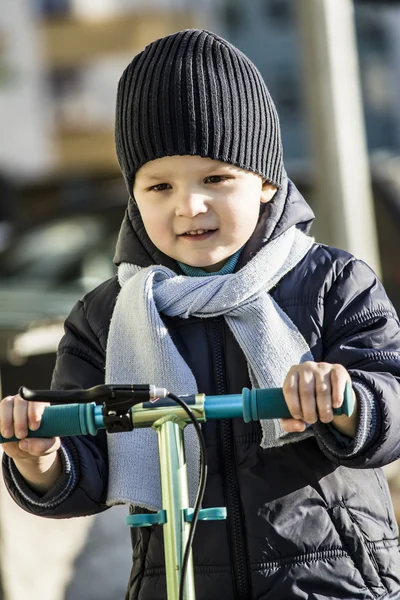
194, 93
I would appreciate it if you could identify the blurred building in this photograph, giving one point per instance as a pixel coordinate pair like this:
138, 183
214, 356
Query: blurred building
266, 31
64, 60
60, 61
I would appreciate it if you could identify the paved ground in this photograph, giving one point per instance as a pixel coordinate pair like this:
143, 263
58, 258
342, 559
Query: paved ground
75, 559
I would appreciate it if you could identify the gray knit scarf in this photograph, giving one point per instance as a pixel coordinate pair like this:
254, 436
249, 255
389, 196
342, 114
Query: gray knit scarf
140, 350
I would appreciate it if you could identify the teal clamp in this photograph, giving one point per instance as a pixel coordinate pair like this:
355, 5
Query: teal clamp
250, 408
146, 519
206, 514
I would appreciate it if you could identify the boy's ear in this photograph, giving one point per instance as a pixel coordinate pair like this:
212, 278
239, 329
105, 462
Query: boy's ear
268, 192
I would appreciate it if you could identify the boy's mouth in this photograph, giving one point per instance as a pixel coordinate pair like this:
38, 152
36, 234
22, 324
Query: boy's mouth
198, 234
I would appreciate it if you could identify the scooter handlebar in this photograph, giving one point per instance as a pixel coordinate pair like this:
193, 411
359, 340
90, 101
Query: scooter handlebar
66, 420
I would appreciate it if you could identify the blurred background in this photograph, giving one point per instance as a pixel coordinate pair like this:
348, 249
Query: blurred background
333, 69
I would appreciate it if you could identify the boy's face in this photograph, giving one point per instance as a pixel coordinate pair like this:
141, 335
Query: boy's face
197, 210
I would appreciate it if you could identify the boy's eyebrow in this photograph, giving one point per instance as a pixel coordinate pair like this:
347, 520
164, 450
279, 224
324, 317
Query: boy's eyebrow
153, 176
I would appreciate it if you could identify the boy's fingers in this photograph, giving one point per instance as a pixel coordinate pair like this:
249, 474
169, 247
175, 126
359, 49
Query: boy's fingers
39, 446
311, 392
20, 417
6, 417
35, 414
292, 425
291, 393
323, 393
339, 377
307, 396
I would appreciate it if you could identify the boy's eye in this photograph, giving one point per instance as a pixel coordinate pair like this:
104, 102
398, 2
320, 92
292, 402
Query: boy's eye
160, 187
216, 178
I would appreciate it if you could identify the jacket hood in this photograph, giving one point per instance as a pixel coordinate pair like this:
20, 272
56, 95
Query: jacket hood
287, 208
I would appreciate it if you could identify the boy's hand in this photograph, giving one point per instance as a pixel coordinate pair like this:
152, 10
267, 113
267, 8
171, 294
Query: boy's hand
312, 390
35, 458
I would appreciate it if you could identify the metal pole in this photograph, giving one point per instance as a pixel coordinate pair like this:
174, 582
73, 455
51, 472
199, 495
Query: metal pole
344, 206
391, 19
175, 499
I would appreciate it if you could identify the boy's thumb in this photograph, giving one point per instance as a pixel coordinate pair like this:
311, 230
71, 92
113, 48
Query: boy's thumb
39, 446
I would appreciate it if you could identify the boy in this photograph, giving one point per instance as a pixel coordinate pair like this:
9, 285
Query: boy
309, 514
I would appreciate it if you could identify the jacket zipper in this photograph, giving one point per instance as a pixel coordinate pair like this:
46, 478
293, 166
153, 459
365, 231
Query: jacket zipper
238, 550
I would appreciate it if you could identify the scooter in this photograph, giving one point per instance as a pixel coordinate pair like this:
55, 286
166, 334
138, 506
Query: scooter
119, 408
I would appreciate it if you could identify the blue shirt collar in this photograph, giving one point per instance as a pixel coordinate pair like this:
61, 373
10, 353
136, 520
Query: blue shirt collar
228, 267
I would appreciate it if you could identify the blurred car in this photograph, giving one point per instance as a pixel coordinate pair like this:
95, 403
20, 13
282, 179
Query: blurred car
43, 273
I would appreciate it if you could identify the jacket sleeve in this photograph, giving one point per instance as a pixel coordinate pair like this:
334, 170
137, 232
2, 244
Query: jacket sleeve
361, 332
82, 488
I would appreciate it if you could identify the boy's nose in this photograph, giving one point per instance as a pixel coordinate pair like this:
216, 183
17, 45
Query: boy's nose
190, 205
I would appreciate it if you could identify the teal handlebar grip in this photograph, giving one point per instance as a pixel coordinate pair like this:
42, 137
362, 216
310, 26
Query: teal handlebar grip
270, 404
65, 420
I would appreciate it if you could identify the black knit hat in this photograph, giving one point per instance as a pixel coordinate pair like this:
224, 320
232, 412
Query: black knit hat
193, 93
